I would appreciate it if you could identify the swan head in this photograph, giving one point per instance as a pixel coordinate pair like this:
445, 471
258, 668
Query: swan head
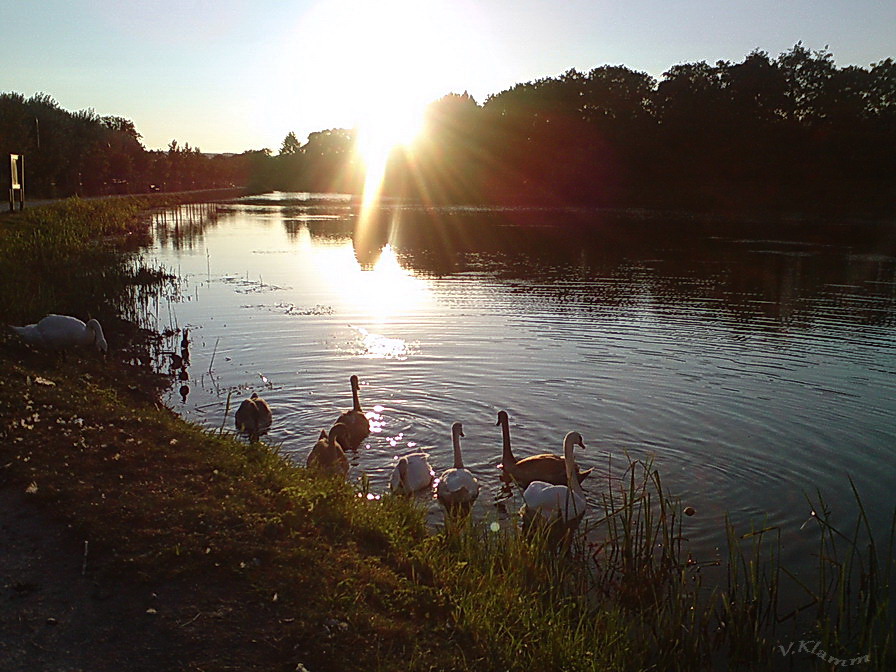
503, 418
354, 382
99, 340
457, 429
574, 439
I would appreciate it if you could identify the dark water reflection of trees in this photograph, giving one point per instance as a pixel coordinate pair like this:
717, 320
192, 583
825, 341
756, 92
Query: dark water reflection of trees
779, 272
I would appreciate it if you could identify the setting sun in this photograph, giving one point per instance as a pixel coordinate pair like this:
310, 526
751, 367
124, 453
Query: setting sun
380, 62
390, 51
375, 67
385, 129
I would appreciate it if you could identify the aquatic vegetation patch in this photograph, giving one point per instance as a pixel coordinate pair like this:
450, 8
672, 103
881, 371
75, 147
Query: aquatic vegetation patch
247, 286
292, 309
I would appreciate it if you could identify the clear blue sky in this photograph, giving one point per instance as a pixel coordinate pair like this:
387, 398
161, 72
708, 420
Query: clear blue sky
231, 75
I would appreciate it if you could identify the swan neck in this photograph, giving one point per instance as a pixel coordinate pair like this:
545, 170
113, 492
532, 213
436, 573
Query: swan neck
356, 401
569, 458
458, 456
99, 339
507, 455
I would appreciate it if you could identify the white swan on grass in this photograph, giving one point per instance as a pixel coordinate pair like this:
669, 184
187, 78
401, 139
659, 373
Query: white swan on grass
457, 488
558, 503
60, 332
411, 474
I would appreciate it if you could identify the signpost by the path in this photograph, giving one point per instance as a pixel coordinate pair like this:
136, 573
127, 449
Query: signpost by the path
16, 181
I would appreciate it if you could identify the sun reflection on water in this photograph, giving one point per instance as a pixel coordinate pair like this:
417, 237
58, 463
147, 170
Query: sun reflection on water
377, 346
376, 419
381, 293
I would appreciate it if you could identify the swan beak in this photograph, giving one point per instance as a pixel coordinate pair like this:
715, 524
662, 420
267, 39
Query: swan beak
461, 434
581, 444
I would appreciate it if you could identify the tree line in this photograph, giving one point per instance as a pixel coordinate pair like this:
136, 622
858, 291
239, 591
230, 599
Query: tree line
83, 153
794, 131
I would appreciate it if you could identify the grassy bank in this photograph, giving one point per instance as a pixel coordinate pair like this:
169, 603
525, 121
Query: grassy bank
260, 565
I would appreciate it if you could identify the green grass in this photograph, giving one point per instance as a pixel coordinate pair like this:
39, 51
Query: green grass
338, 580
70, 258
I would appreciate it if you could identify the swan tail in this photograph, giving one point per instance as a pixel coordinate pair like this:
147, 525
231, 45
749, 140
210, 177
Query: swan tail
28, 333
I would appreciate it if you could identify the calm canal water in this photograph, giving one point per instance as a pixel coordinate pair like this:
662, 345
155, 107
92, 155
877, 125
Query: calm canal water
756, 362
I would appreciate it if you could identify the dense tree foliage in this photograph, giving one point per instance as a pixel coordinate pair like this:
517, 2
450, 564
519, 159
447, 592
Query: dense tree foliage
85, 154
794, 131
326, 163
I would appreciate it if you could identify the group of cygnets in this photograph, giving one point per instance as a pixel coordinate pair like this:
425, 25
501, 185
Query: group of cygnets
551, 483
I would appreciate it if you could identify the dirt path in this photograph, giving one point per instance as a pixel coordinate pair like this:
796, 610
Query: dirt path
56, 617
53, 617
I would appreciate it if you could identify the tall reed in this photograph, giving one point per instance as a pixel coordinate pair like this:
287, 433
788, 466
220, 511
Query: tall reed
628, 594
71, 257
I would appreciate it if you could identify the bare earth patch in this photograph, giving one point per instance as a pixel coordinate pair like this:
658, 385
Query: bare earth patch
54, 616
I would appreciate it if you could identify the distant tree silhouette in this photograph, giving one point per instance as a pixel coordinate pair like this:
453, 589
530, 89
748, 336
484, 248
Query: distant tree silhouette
82, 153
291, 144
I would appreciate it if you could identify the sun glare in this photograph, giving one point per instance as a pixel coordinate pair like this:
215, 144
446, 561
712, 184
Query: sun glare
379, 135
381, 132
375, 66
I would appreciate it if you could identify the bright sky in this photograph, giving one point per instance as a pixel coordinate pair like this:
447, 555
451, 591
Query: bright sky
232, 75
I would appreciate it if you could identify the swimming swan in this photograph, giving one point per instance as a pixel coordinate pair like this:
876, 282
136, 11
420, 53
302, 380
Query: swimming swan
546, 467
411, 474
253, 417
357, 423
558, 503
457, 488
60, 332
327, 454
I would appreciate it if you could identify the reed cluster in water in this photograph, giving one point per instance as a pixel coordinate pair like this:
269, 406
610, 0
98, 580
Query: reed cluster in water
633, 597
